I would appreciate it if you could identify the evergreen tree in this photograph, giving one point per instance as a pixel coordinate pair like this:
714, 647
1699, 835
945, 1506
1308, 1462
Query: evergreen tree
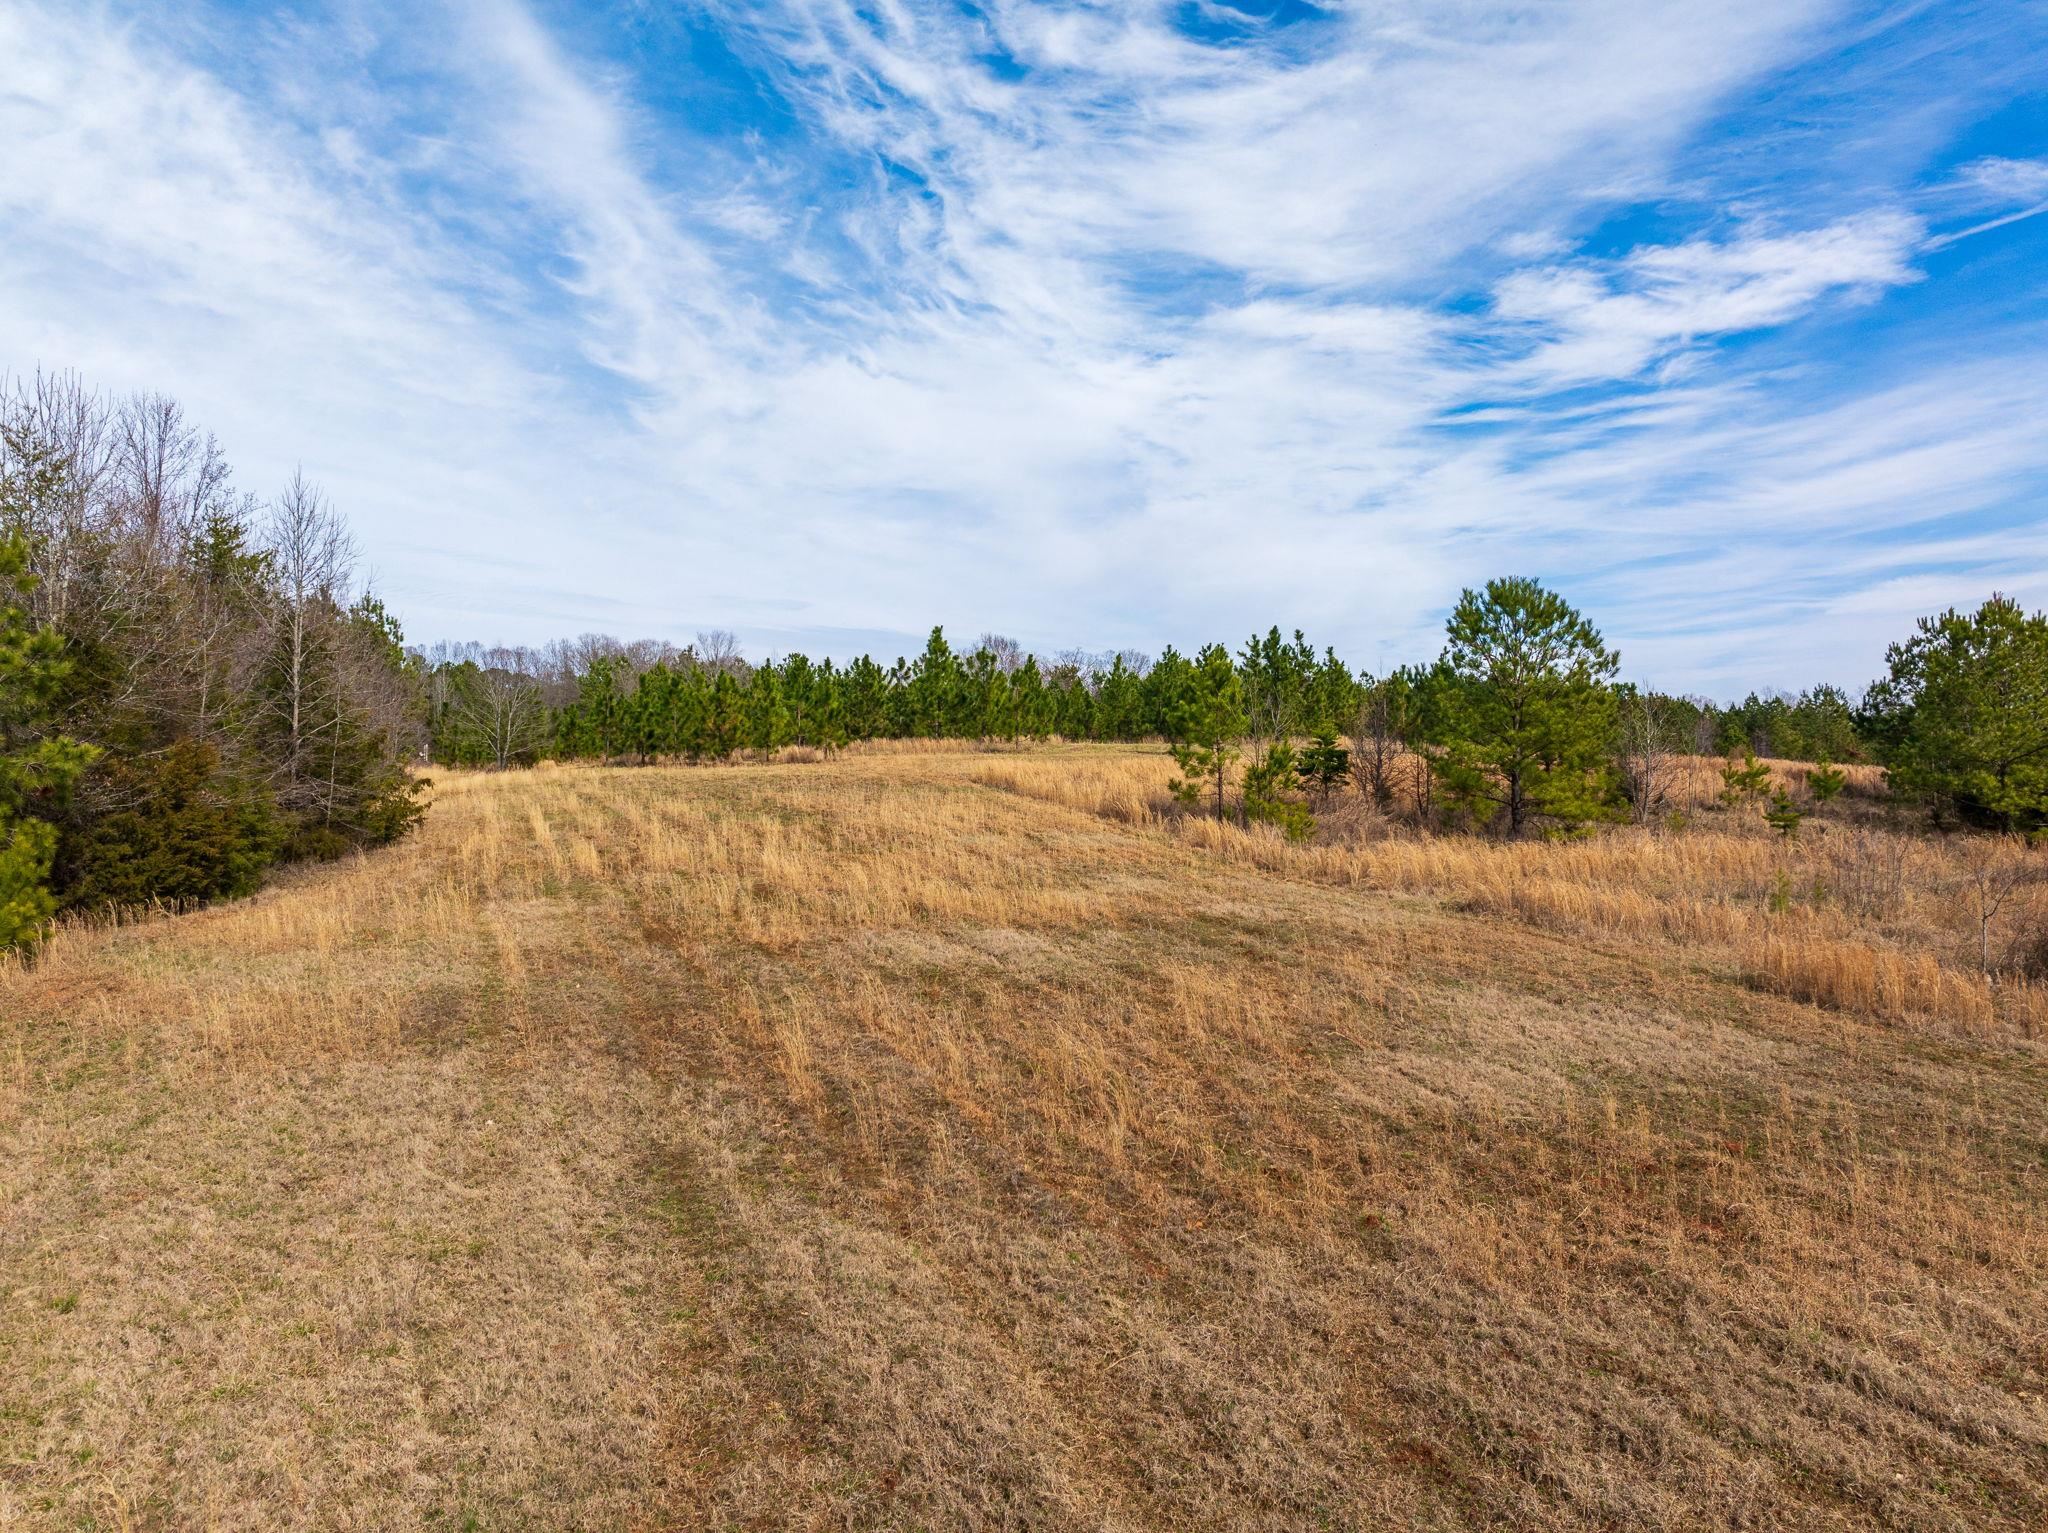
724, 719
1119, 703
1207, 727
1334, 695
1277, 678
1027, 687
1528, 723
1324, 765
183, 840
689, 712
984, 712
601, 707
1165, 691
38, 765
1823, 725
933, 690
648, 711
1826, 781
867, 700
1266, 784
799, 687
1782, 815
764, 713
1073, 706
1962, 720
1744, 780
828, 708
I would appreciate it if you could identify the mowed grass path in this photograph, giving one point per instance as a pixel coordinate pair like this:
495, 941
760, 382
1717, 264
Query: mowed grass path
864, 1145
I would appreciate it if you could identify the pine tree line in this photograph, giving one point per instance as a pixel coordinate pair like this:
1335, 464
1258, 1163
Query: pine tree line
598, 699
1520, 723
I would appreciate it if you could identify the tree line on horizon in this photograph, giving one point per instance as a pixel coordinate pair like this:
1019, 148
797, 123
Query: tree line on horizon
596, 697
1520, 721
194, 688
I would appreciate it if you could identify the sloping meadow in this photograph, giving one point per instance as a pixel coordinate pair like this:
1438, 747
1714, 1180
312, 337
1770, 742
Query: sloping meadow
950, 1140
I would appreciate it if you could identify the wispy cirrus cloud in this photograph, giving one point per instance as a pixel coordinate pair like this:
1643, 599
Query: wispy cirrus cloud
1090, 322
1599, 321
2003, 180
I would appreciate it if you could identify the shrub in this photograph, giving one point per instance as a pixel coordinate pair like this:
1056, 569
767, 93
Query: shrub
185, 831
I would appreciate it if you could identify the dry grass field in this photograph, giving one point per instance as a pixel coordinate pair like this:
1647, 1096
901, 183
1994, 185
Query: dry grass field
950, 1141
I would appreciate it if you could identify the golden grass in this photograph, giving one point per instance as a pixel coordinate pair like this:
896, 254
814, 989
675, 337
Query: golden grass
878, 1144
1850, 914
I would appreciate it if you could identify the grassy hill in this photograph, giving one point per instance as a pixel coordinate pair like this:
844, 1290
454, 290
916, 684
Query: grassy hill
944, 1140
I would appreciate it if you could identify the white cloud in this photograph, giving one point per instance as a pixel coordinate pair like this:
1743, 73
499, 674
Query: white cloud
2007, 182
1616, 320
1154, 345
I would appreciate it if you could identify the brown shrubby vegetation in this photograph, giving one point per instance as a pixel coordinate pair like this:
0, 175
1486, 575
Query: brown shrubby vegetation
1856, 912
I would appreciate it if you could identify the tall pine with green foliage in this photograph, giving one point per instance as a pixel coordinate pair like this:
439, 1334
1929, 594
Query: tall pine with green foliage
1962, 720
1526, 727
764, 713
1207, 727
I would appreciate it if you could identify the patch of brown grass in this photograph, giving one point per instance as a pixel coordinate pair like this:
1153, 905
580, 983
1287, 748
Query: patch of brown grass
877, 1144
1851, 914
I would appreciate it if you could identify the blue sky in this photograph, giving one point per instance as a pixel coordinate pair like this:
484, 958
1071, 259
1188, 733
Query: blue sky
1107, 324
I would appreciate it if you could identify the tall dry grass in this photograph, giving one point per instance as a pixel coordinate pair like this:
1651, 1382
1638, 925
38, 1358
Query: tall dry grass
1852, 913
880, 1145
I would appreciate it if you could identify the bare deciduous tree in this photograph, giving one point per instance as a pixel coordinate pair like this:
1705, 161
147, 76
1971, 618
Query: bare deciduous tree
1706, 727
1008, 652
1377, 745
1651, 754
718, 650
499, 703
312, 557
1998, 870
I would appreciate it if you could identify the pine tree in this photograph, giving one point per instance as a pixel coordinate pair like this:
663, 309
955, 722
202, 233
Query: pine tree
1744, 780
1782, 815
689, 713
723, 720
1266, 784
1826, 781
764, 713
1119, 703
1323, 764
933, 691
984, 698
1527, 724
828, 708
38, 765
1207, 727
1962, 720
1334, 694
601, 706
799, 685
1028, 689
867, 700
1278, 678
1165, 690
